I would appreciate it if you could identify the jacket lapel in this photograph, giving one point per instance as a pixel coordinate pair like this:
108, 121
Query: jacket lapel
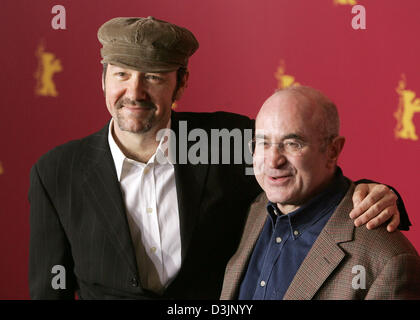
189, 180
103, 190
325, 254
252, 230
238, 264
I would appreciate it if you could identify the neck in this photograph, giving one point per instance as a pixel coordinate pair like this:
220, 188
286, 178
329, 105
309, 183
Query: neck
137, 146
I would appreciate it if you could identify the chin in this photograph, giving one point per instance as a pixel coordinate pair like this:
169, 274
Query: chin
276, 197
134, 126
139, 129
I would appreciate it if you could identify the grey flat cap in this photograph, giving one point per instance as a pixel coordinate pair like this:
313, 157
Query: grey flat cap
146, 44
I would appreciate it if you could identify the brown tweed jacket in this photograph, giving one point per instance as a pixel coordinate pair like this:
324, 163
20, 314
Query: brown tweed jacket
391, 263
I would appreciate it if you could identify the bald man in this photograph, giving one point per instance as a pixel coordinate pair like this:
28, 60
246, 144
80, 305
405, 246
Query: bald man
299, 241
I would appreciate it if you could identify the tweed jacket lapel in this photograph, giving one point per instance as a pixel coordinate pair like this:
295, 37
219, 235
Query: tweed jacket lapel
325, 254
103, 191
239, 262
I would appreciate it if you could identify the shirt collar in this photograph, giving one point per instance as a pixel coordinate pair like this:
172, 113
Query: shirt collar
161, 156
309, 213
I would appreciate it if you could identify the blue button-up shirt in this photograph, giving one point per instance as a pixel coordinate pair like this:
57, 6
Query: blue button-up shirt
286, 240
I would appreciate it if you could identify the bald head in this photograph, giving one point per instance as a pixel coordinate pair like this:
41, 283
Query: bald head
308, 103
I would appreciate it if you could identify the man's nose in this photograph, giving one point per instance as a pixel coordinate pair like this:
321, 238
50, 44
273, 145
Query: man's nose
275, 157
136, 89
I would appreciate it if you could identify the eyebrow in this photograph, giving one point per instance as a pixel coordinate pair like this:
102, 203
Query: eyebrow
287, 136
160, 73
124, 69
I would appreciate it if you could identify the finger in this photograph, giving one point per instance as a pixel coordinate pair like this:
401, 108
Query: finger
357, 208
379, 193
391, 196
367, 204
381, 218
395, 222
355, 212
359, 194
372, 208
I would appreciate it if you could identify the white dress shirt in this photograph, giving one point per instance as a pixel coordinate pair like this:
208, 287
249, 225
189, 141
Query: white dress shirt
151, 203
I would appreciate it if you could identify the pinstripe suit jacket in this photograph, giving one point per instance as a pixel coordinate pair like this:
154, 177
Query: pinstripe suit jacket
390, 262
78, 219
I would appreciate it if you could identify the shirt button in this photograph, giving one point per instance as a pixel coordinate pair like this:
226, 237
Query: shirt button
134, 282
262, 283
278, 239
153, 249
295, 232
146, 170
149, 210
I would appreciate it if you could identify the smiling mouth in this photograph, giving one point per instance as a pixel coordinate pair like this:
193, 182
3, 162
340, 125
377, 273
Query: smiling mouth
130, 106
137, 108
279, 178
135, 105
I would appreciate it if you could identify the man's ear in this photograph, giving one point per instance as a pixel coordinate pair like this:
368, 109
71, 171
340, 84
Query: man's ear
334, 149
183, 86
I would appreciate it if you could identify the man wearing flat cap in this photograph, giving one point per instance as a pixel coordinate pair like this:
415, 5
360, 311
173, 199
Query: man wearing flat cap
115, 215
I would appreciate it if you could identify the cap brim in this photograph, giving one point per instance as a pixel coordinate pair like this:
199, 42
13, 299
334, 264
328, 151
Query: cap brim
142, 66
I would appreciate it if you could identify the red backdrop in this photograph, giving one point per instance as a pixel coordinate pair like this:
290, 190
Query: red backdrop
242, 46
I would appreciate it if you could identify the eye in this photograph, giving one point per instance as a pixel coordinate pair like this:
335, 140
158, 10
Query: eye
153, 78
292, 145
261, 143
121, 74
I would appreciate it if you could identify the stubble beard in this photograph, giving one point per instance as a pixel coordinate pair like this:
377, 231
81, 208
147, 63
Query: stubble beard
135, 125
132, 123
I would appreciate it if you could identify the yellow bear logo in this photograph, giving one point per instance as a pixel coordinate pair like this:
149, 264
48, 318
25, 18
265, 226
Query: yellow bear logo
345, 2
408, 105
48, 65
284, 80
